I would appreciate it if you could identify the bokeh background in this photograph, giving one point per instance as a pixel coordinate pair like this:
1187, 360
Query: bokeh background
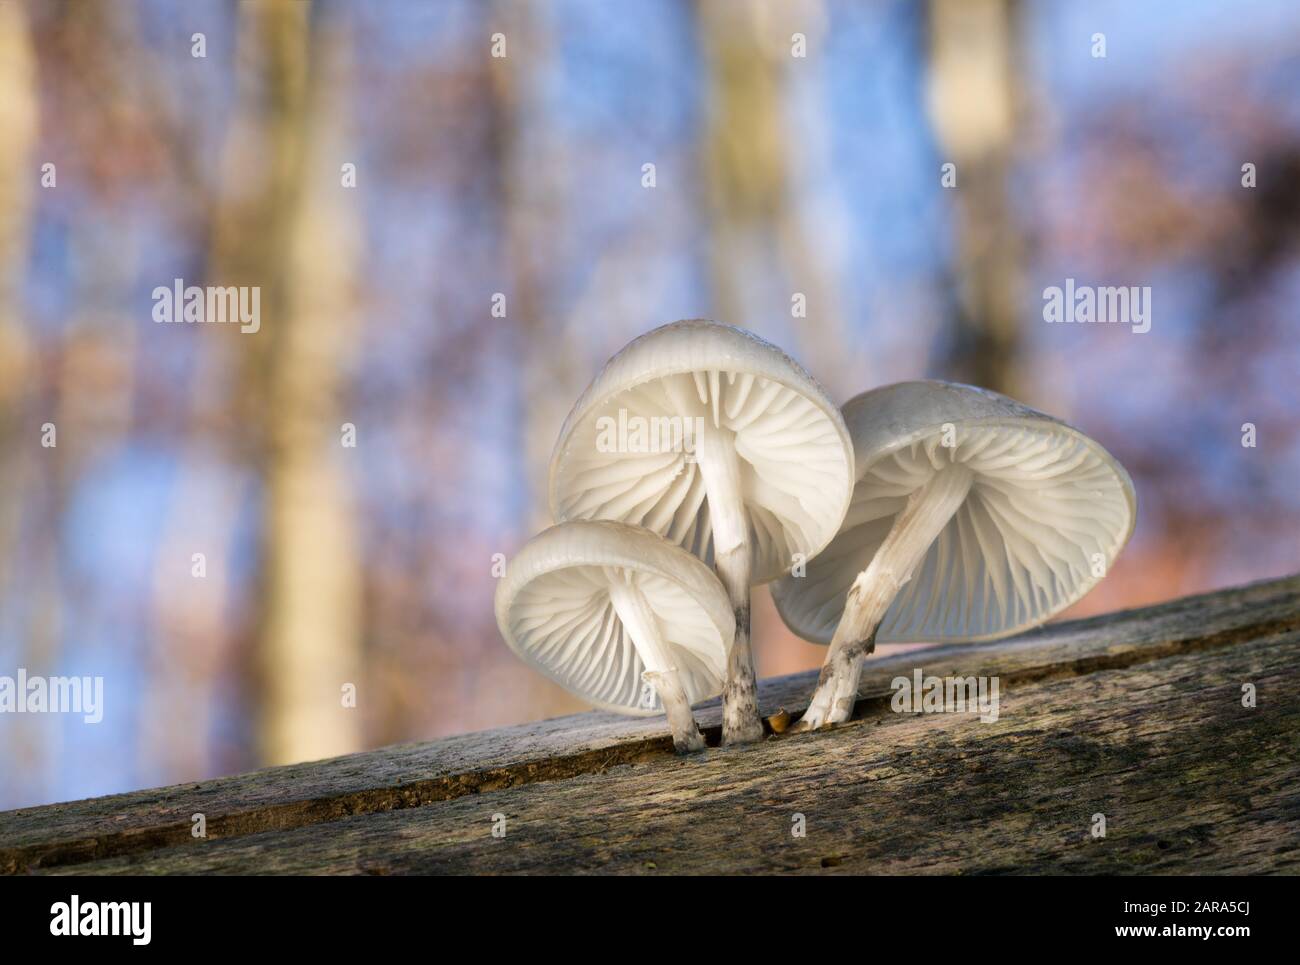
523, 175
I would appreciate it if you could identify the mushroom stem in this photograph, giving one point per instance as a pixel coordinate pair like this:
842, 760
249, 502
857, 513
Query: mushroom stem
668, 685
927, 512
639, 622
732, 558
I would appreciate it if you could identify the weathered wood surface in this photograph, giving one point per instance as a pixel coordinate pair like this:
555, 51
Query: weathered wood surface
1137, 716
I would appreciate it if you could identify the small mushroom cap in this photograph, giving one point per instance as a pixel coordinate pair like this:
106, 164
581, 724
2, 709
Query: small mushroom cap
796, 459
554, 610
1047, 513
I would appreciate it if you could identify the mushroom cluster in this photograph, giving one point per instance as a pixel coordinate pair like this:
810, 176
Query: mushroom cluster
702, 460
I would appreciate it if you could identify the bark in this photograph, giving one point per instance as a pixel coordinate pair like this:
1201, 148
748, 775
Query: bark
1136, 715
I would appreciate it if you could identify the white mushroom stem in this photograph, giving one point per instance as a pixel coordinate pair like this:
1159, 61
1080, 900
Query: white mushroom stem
927, 512
720, 468
639, 622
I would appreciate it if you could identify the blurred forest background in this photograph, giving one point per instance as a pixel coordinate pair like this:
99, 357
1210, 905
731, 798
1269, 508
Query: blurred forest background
523, 175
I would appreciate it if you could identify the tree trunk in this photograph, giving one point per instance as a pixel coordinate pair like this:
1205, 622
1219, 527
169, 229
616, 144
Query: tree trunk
974, 113
294, 235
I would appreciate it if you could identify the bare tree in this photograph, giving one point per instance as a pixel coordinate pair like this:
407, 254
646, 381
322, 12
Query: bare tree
521, 157
973, 109
289, 229
762, 250
18, 175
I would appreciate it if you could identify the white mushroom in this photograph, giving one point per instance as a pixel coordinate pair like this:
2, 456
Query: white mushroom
973, 517
620, 617
717, 440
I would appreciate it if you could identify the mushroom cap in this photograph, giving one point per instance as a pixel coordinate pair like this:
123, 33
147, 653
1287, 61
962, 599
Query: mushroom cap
796, 459
1047, 503
554, 611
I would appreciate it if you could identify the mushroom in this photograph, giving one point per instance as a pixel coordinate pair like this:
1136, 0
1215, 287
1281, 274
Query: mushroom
720, 442
618, 616
973, 517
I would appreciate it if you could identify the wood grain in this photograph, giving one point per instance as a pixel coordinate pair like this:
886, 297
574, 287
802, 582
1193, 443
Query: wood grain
1135, 715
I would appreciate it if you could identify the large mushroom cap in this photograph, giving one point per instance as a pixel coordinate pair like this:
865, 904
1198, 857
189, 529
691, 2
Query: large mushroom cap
1047, 513
796, 460
554, 610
